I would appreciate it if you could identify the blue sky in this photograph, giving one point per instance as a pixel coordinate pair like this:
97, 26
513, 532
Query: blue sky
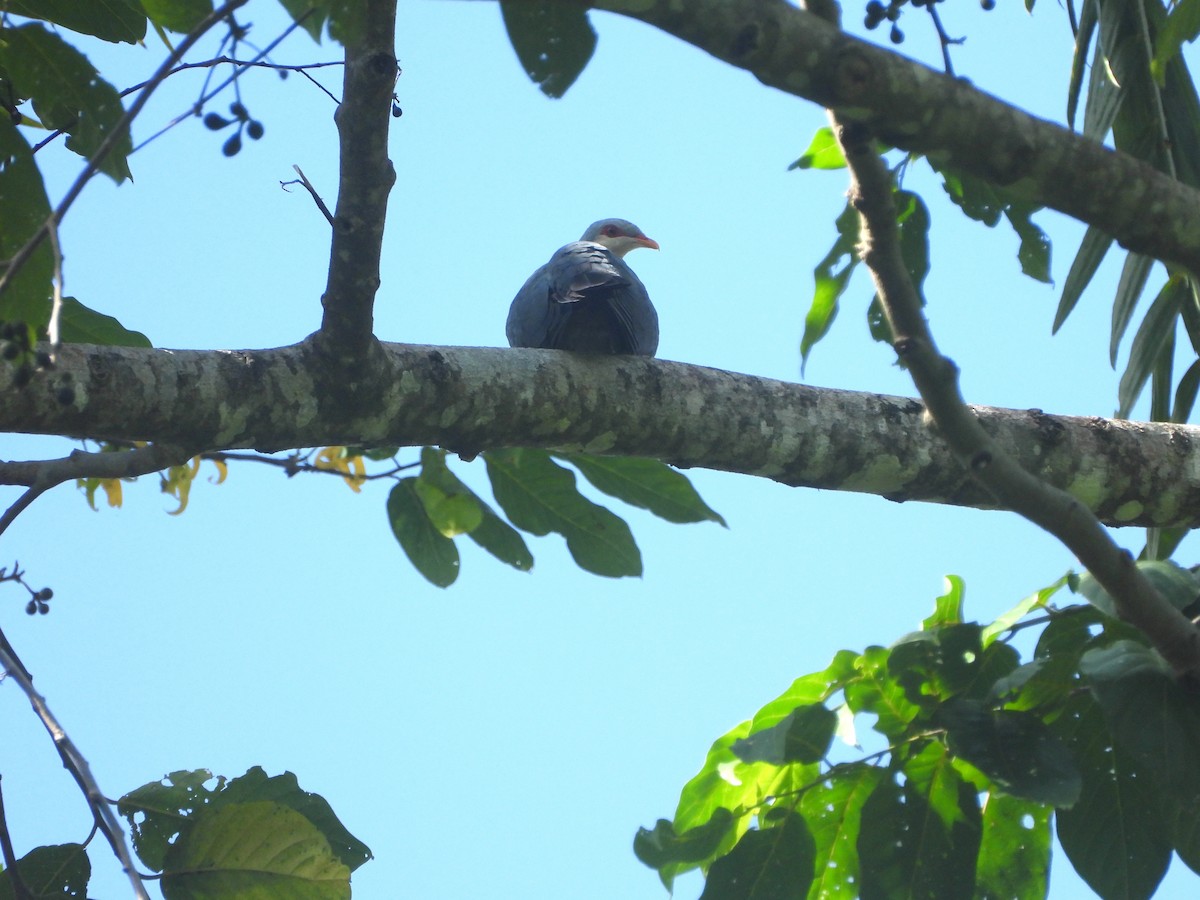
506, 737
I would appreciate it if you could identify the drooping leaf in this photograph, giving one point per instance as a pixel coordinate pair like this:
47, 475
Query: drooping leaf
1129, 289
59, 870
833, 811
553, 40
1156, 330
906, 849
660, 846
1015, 750
1034, 251
158, 811
1113, 835
255, 849
646, 484
777, 862
1091, 251
912, 218
23, 199
948, 608
67, 93
1088, 18
1157, 723
823, 152
452, 513
431, 552
831, 276
110, 20
177, 15
1006, 620
492, 533
803, 736
77, 324
311, 15
1185, 394
1014, 855
539, 496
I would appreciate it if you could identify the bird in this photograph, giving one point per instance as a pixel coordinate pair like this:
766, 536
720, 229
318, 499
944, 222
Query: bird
587, 299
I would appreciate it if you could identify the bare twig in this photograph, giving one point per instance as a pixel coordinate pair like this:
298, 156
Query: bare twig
74, 763
944, 39
308, 186
20, 892
110, 141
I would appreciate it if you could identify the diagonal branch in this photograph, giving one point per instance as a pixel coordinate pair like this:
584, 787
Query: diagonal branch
916, 108
936, 377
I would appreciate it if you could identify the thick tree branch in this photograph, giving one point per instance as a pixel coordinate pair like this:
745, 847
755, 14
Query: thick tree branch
936, 377
473, 399
366, 178
916, 108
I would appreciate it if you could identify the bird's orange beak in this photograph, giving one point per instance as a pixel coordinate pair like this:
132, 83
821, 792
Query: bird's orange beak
648, 242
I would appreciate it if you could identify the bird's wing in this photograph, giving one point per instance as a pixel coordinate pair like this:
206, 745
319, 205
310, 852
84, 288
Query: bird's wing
580, 267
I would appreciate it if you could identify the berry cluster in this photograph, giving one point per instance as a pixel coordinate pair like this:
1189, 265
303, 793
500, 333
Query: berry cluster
39, 602
878, 12
253, 128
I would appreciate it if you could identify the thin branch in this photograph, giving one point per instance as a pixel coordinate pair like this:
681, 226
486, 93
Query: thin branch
292, 465
41, 475
936, 378
20, 891
75, 763
308, 186
110, 141
944, 39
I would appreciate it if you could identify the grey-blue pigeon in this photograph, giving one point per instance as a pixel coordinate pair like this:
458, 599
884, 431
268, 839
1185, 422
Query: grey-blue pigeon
586, 298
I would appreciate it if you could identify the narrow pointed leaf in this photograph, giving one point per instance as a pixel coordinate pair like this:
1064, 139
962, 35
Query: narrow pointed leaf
1129, 289
831, 277
1183, 24
539, 496
1156, 330
432, 553
1088, 16
1091, 251
645, 483
553, 41
1185, 394
26, 206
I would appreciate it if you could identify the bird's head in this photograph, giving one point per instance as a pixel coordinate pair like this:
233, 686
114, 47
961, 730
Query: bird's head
618, 235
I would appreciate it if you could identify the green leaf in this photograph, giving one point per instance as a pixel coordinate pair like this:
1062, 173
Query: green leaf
907, 849
110, 20
59, 870
452, 513
1174, 583
803, 736
492, 533
1158, 724
1034, 252
1007, 620
833, 811
256, 785
1133, 281
309, 13
1157, 328
1014, 749
948, 608
646, 484
661, 846
823, 152
26, 207
767, 863
1113, 835
553, 41
912, 217
1185, 394
432, 553
67, 92
1183, 24
1014, 855
830, 284
78, 324
1091, 251
539, 496
254, 849
1088, 17
177, 15
876, 691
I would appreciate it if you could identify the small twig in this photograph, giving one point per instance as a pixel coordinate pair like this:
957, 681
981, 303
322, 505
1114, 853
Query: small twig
56, 281
20, 892
943, 38
307, 185
110, 141
292, 465
74, 763
41, 475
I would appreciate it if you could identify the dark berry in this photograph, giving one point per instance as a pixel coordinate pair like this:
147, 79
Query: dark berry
215, 121
397, 112
238, 110
988, 5
31, 607
45, 594
254, 129
65, 396
232, 146
897, 36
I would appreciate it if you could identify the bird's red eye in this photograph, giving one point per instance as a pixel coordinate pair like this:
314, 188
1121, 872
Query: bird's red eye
611, 231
